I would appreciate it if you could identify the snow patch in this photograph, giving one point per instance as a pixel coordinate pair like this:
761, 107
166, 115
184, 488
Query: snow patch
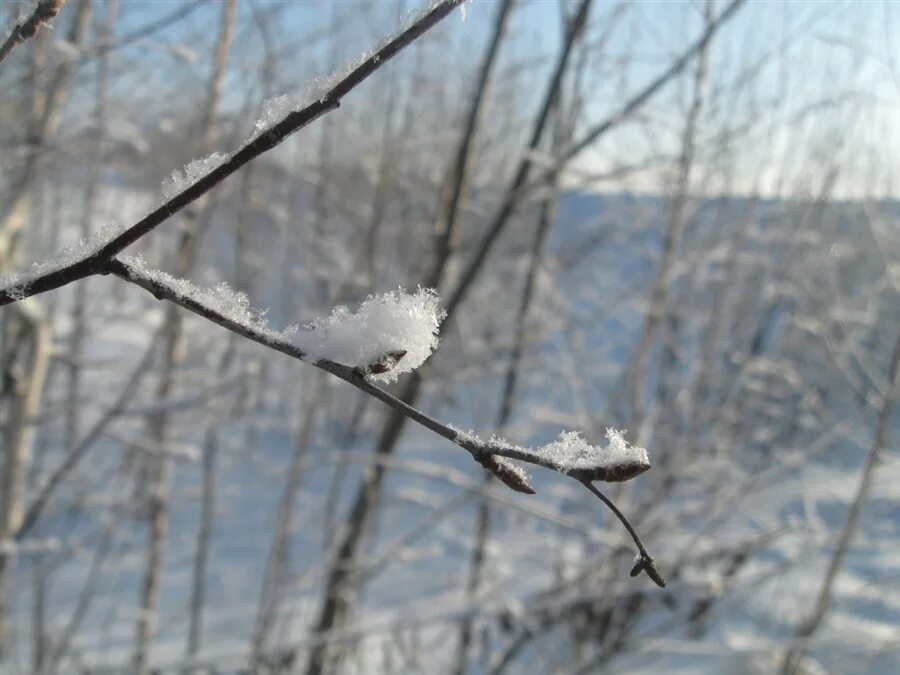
571, 452
399, 323
383, 324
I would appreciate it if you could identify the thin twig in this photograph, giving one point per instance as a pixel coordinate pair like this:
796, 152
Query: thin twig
34, 511
296, 120
43, 13
598, 130
356, 377
645, 561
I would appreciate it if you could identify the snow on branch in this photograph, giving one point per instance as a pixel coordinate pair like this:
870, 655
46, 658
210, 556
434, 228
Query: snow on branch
193, 171
388, 335
17, 285
221, 298
572, 455
209, 172
405, 325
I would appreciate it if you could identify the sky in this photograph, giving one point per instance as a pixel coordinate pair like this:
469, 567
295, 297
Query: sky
839, 59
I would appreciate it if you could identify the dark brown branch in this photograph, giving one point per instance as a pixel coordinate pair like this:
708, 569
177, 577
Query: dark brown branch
644, 562
262, 143
43, 13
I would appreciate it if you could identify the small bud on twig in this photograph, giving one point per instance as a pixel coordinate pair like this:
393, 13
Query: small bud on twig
507, 473
386, 363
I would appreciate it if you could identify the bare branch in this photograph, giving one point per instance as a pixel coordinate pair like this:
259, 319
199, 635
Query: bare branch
645, 94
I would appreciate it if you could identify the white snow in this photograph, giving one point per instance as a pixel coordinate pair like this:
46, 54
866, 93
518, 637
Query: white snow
467, 436
221, 298
192, 172
390, 322
278, 107
383, 324
570, 452
83, 248
274, 110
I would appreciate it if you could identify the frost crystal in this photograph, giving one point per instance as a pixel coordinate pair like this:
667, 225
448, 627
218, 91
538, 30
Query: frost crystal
274, 110
572, 454
16, 284
193, 171
386, 323
221, 298
395, 330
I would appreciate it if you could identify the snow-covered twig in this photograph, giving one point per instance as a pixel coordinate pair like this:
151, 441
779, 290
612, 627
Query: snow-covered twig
95, 262
570, 455
44, 11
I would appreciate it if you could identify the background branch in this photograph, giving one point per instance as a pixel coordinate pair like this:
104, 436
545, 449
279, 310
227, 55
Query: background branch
262, 143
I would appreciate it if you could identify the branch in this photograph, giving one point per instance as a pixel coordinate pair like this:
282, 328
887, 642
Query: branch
662, 79
34, 511
632, 105
43, 13
491, 454
643, 561
95, 263
521, 184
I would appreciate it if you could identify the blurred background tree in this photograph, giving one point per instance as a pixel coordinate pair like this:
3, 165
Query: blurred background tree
703, 250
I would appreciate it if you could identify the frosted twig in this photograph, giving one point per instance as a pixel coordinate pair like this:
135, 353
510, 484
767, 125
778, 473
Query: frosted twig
44, 11
570, 454
165, 287
489, 453
261, 143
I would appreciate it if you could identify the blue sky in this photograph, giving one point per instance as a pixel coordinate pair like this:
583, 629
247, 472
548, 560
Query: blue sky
846, 50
